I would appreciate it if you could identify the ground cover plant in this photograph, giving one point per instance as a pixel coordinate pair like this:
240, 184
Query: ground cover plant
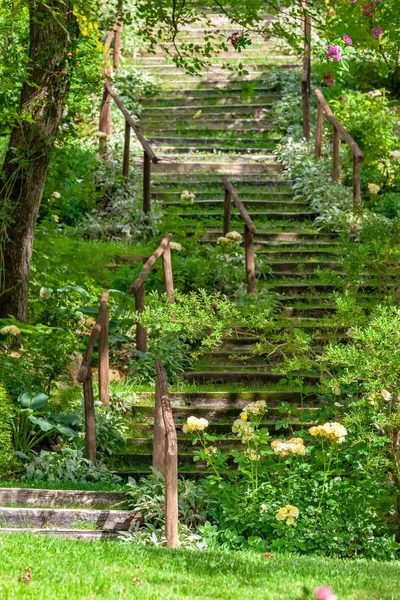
69, 569
286, 405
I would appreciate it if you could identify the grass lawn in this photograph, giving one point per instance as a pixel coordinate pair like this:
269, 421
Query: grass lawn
79, 570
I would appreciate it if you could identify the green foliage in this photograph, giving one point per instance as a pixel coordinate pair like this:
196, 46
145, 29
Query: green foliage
67, 465
6, 448
33, 422
330, 497
132, 85
46, 353
71, 188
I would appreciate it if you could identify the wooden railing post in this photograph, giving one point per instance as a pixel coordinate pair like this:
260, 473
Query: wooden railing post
227, 212
146, 183
90, 419
127, 144
168, 277
336, 155
170, 447
250, 261
356, 186
319, 130
306, 72
141, 333
105, 123
104, 360
159, 431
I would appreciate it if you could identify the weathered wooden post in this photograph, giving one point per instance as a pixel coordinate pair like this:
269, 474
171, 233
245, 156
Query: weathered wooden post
227, 212
250, 261
146, 183
319, 130
168, 277
104, 357
170, 468
141, 333
306, 71
90, 419
356, 186
127, 148
159, 431
336, 155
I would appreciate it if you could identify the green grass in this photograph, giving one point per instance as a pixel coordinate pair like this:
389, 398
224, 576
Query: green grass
60, 485
69, 569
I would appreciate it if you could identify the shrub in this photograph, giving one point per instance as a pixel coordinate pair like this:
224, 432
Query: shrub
67, 465
5, 431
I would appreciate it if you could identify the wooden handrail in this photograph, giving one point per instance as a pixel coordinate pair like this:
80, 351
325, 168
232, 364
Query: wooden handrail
239, 205
338, 132
306, 70
137, 288
165, 453
250, 230
139, 134
105, 123
150, 262
99, 332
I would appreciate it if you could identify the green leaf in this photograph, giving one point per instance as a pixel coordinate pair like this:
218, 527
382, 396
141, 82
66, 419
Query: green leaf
67, 431
39, 400
44, 424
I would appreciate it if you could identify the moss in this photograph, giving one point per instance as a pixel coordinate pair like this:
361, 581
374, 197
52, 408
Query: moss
6, 448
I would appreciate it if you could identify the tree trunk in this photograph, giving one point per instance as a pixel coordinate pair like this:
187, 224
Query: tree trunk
53, 27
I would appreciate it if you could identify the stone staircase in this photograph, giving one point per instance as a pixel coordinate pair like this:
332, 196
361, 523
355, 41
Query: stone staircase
204, 127
85, 515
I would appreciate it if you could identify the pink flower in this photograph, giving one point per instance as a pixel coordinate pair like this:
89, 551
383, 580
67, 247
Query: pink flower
368, 9
324, 593
334, 52
328, 79
377, 32
235, 37
347, 40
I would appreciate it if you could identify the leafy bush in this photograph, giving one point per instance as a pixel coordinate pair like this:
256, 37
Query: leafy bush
67, 465
132, 85
5, 431
323, 492
33, 422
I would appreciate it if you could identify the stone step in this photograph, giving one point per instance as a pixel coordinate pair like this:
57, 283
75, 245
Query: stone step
243, 377
188, 98
214, 91
177, 150
161, 181
238, 399
289, 203
206, 109
306, 266
204, 126
214, 167
210, 196
76, 534
67, 518
39, 497
210, 141
276, 216
298, 254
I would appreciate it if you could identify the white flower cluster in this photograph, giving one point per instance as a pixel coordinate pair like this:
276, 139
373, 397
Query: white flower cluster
188, 197
194, 424
287, 447
334, 432
254, 408
44, 293
243, 430
231, 239
175, 246
10, 330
